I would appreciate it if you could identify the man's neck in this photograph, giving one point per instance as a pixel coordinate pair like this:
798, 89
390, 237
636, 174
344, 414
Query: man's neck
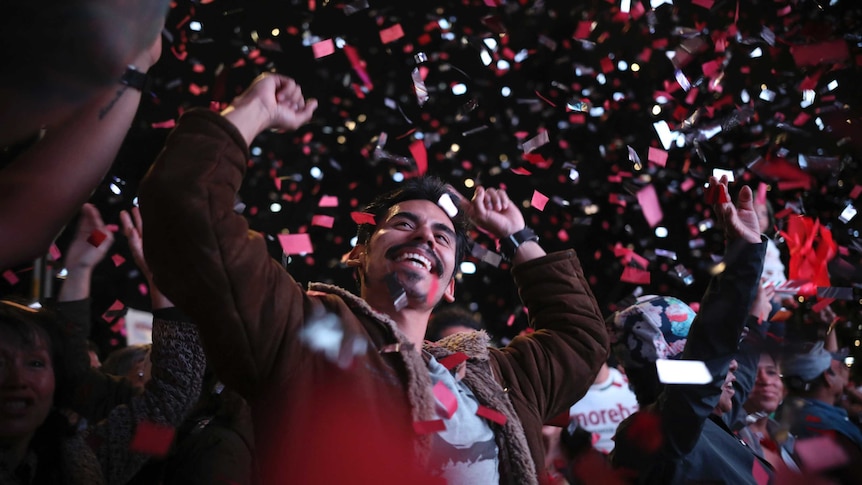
410, 321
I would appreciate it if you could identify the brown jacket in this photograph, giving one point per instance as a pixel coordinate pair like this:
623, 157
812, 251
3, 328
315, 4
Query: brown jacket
350, 406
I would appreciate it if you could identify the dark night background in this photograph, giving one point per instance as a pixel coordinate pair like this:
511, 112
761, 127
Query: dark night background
568, 69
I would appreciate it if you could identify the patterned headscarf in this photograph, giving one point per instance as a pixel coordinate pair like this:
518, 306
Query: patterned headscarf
655, 327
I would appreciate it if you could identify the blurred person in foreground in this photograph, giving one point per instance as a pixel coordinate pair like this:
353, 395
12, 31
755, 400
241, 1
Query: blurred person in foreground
72, 78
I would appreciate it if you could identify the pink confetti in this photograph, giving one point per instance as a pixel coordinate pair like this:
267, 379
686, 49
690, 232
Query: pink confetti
687, 184
521, 171
152, 439
760, 199
328, 201
707, 4
322, 220
11, 277
143, 289
820, 453
323, 48
118, 260
857, 189
295, 243
539, 200
650, 207
446, 399
165, 124
657, 156
391, 34
54, 252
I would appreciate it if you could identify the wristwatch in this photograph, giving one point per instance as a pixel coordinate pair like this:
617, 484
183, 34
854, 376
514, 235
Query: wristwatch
509, 245
135, 79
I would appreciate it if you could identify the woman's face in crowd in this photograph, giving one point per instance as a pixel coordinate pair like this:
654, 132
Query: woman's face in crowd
768, 390
26, 388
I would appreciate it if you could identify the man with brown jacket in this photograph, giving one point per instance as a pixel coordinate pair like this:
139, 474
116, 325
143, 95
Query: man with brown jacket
343, 387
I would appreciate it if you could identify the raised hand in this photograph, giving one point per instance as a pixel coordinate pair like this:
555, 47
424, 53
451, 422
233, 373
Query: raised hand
492, 211
740, 220
762, 305
271, 102
92, 241
133, 228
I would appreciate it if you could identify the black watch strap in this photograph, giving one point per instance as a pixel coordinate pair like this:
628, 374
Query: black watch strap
509, 245
136, 79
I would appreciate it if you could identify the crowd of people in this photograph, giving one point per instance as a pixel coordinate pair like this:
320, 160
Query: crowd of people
253, 377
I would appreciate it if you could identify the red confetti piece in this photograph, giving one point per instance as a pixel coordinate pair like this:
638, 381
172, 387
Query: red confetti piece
491, 415
118, 260
539, 200
715, 195
583, 30
417, 149
165, 124
391, 34
295, 243
322, 220
657, 156
328, 201
454, 360
96, 238
857, 189
323, 48
152, 439
645, 431
635, 275
650, 207
761, 476
521, 171
363, 218
707, 4
143, 289
829, 52
428, 427
11, 277
446, 398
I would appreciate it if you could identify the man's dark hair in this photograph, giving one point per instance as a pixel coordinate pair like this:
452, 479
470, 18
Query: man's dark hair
423, 188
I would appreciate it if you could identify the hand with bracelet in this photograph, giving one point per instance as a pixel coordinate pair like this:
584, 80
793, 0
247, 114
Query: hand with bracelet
493, 211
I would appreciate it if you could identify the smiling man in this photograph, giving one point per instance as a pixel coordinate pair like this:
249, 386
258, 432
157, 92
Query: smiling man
343, 387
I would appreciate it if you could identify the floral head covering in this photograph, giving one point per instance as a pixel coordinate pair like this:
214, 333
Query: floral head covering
655, 327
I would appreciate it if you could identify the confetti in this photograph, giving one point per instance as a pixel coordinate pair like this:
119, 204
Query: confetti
539, 200
391, 34
295, 243
322, 221
96, 238
323, 48
682, 372
491, 415
152, 439
446, 399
